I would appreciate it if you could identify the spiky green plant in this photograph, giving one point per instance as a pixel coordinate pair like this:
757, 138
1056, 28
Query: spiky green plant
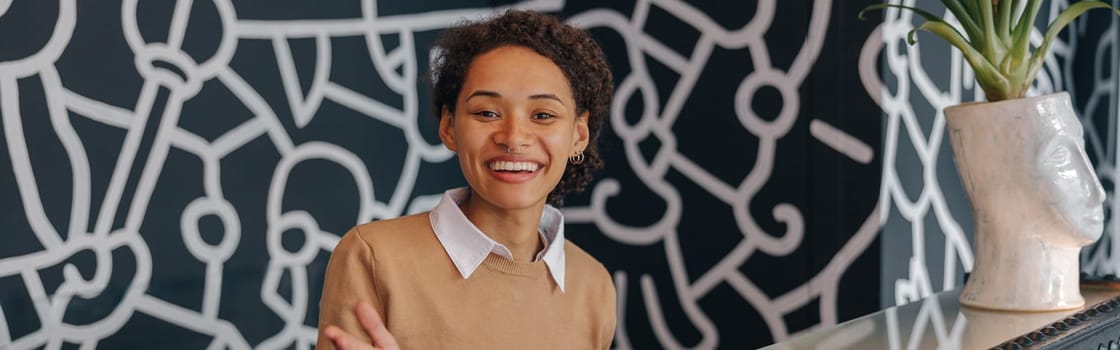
998, 45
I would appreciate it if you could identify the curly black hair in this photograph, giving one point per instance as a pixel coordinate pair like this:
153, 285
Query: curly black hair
570, 48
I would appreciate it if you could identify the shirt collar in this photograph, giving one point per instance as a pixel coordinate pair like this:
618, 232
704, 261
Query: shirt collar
468, 246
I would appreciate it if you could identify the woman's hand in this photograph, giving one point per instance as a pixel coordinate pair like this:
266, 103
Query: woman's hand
371, 322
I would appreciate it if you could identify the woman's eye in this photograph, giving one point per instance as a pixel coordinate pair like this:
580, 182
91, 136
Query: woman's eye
543, 116
487, 114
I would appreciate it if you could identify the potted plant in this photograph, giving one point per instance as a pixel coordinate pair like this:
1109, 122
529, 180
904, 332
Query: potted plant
1035, 197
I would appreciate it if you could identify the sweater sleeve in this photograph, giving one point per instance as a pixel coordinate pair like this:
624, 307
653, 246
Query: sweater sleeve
349, 279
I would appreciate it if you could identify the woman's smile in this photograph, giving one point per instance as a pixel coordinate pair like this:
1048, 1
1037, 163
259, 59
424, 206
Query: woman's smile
513, 170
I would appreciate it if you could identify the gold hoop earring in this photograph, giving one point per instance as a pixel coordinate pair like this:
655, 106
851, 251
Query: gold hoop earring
576, 159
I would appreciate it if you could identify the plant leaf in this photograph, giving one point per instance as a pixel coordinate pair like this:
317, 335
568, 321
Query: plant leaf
993, 48
995, 84
1059, 23
970, 7
1003, 22
966, 19
1014, 63
929, 17
1023, 28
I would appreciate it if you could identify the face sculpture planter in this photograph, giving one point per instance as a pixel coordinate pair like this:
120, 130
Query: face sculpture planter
1035, 198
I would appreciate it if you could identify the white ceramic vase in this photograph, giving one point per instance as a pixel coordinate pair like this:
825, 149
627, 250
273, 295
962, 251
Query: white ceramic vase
1035, 200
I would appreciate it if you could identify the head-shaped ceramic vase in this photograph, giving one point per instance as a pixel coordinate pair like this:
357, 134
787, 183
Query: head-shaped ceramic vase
1035, 199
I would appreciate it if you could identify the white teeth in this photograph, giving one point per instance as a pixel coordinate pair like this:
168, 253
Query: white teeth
514, 166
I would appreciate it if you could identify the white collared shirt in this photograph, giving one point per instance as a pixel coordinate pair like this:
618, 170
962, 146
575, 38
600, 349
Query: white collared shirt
468, 246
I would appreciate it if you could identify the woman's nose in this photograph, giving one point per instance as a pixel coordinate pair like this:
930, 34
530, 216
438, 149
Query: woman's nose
513, 134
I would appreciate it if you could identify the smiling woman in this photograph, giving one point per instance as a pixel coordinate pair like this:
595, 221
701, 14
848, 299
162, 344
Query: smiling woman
521, 99
515, 128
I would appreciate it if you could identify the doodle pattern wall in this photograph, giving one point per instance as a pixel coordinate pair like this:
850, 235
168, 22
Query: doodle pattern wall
177, 173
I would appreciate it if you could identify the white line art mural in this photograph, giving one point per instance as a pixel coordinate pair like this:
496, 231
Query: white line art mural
658, 120
902, 118
929, 202
176, 75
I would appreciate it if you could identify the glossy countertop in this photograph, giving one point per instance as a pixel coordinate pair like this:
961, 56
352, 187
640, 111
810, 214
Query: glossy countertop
936, 322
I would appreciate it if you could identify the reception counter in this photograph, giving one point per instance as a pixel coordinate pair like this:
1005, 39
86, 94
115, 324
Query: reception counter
939, 322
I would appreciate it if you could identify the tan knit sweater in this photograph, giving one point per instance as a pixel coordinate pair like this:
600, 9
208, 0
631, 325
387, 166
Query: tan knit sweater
399, 266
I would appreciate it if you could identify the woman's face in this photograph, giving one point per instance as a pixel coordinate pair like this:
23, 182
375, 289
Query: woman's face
514, 127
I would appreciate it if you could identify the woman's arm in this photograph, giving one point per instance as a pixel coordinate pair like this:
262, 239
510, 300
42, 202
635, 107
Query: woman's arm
350, 279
